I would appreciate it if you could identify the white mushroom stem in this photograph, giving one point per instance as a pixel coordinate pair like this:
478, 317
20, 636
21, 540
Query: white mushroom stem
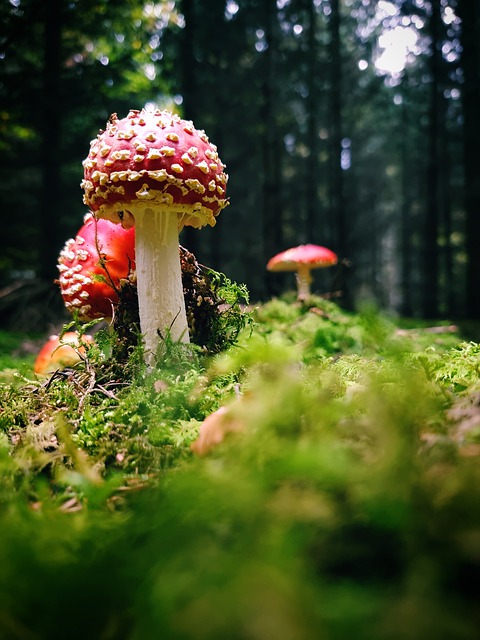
304, 278
159, 279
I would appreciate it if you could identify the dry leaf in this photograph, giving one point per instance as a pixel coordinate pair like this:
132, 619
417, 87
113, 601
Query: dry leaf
213, 430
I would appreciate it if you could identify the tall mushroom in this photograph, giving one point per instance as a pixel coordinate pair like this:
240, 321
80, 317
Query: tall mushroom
92, 265
156, 171
302, 260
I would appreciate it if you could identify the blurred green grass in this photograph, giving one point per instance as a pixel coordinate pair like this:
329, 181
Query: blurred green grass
347, 506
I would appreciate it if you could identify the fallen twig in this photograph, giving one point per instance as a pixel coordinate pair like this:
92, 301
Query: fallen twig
451, 328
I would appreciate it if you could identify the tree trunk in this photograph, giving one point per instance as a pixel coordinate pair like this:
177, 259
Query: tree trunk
405, 212
50, 204
312, 232
449, 299
469, 13
272, 217
336, 183
189, 235
431, 228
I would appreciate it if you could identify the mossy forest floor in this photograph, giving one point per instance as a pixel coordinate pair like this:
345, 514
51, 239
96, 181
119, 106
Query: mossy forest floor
342, 503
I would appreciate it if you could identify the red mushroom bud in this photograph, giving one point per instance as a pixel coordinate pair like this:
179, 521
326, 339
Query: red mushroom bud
302, 260
58, 353
92, 265
155, 171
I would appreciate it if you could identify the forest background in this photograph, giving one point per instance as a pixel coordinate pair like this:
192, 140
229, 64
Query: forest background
346, 123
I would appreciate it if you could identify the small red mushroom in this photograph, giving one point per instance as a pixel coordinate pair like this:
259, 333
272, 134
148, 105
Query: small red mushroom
92, 266
302, 260
158, 172
58, 353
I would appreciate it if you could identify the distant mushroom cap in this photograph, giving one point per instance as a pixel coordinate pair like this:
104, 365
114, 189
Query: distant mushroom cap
92, 265
309, 255
152, 158
58, 353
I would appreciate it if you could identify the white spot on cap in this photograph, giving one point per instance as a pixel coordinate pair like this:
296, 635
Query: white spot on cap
203, 166
195, 185
121, 154
126, 135
154, 154
140, 146
159, 175
82, 255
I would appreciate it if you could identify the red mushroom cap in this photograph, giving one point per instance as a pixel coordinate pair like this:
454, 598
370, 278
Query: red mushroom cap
58, 352
154, 158
92, 265
308, 255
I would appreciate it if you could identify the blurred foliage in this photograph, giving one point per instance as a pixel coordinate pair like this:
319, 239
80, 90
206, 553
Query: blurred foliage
346, 506
18, 350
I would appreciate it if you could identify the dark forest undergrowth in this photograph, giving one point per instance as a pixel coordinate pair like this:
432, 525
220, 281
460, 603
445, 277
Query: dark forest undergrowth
319, 478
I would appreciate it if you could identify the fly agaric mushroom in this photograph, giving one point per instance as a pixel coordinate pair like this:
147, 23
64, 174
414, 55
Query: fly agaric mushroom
58, 353
156, 171
92, 265
302, 260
